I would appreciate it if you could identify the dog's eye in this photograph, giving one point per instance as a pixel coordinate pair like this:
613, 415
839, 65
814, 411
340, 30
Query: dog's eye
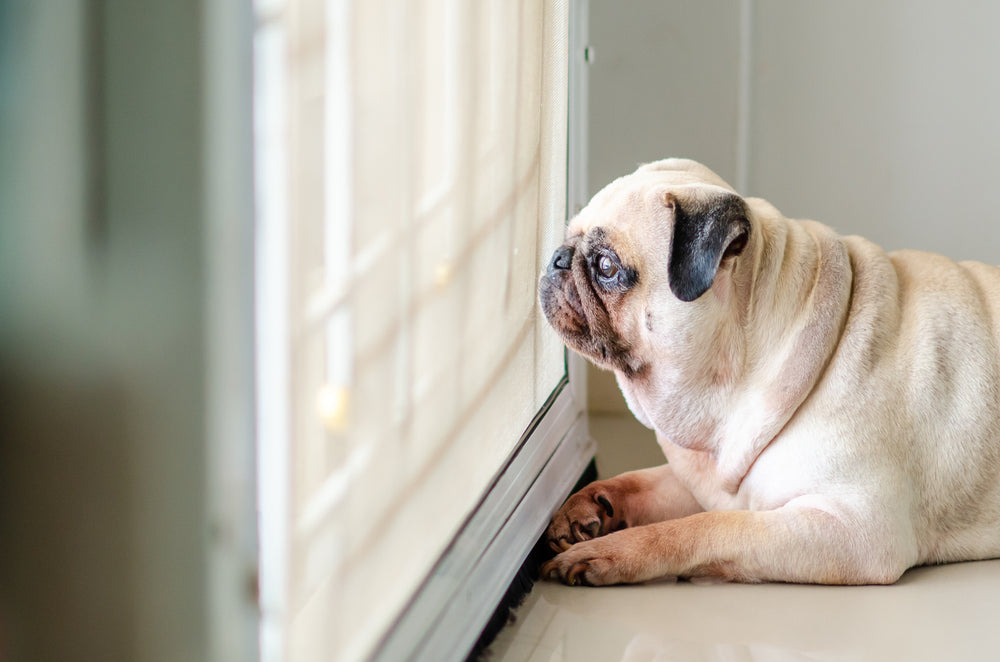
606, 267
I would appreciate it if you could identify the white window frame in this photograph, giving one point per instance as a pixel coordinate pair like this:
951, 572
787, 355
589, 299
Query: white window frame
445, 618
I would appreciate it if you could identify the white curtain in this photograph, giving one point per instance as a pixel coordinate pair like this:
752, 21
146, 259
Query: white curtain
411, 175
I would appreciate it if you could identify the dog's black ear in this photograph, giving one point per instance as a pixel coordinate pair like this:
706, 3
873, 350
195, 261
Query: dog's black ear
705, 233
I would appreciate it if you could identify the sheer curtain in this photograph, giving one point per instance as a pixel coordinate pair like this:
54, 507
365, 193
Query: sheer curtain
411, 185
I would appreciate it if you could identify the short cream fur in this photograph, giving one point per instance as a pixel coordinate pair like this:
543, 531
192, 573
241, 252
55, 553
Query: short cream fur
830, 412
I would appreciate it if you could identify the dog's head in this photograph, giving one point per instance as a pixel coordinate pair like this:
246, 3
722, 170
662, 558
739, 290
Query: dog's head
641, 263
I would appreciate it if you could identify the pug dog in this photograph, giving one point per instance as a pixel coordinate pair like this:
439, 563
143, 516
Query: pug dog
830, 412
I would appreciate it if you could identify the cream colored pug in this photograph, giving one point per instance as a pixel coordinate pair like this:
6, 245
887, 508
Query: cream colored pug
830, 413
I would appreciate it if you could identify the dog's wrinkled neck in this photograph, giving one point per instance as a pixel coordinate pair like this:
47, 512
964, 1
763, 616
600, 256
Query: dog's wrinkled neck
735, 394
789, 347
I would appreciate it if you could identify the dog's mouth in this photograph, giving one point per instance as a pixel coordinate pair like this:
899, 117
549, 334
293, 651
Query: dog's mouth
561, 304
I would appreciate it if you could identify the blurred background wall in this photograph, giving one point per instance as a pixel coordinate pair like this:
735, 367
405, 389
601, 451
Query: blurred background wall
102, 334
879, 119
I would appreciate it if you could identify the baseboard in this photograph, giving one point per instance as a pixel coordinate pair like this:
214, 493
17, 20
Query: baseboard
523, 581
445, 619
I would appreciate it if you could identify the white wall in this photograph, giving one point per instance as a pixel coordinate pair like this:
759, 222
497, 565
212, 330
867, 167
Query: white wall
877, 118
881, 119
664, 80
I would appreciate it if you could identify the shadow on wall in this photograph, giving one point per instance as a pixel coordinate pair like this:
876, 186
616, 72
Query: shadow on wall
65, 519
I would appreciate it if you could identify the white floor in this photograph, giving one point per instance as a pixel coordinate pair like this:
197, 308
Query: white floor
949, 613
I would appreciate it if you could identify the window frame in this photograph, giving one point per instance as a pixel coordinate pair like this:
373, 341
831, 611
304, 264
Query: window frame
446, 616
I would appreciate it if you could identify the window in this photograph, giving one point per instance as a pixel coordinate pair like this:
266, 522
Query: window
411, 169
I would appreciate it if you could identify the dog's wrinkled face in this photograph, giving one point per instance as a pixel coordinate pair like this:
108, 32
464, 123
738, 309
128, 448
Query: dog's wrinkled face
584, 293
638, 260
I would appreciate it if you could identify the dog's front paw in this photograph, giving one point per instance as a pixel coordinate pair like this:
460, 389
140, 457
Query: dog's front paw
587, 563
630, 556
588, 514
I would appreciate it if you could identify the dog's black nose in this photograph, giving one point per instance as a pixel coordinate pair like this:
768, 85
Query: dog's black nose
561, 259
